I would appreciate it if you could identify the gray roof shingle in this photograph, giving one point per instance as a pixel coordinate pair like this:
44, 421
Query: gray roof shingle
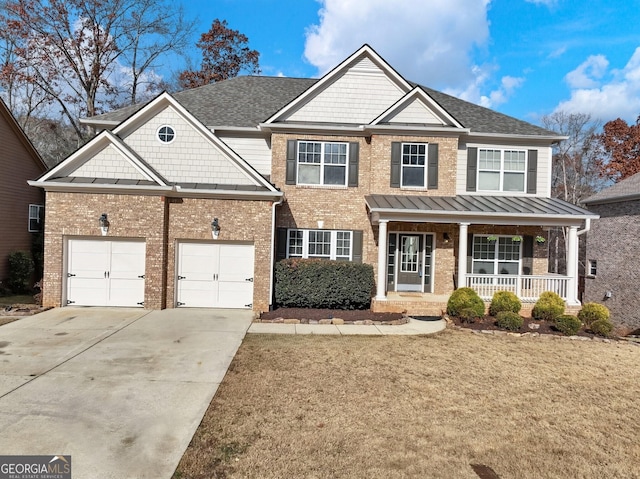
249, 100
627, 189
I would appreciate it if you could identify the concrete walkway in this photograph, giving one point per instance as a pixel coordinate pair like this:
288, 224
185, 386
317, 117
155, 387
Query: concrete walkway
413, 327
121, 390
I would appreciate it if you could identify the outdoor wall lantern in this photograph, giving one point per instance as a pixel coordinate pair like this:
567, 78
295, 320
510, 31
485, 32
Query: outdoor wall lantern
104, 224
445, 237
215, 228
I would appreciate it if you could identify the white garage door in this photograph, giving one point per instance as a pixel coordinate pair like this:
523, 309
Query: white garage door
215, 275
105, 273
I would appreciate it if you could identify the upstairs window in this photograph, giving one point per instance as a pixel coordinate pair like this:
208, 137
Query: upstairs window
322, 163
36, 213
414, 156
501, 170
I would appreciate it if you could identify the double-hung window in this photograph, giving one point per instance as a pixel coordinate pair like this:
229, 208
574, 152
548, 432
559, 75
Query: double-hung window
322, 163
327, 244
414, 172
501, 170
493, 255
35, 218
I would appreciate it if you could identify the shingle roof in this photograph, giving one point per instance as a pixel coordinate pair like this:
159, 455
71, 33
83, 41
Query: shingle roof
249, 100
476, 205
627, 189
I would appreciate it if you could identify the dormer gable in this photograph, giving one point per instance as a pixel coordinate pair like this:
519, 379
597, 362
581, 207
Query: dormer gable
355, 92
416, 108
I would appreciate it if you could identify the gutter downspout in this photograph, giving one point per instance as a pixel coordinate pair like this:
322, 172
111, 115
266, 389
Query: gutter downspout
273, 245
587, 226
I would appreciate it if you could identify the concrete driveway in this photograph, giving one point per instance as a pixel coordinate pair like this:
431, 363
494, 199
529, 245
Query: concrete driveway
121, 390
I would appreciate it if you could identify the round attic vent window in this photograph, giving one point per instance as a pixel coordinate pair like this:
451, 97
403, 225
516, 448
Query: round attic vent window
166, 134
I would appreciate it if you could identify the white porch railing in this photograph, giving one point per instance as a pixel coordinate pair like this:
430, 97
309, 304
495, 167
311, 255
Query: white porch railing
527, 288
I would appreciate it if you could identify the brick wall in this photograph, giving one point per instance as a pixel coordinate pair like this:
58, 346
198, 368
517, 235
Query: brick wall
144, 217
613, 243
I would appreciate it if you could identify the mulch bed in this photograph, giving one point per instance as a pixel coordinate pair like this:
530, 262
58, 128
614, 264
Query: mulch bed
306, 314
529, 325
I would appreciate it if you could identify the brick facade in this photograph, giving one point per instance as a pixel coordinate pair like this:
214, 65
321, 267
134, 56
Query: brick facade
161, 222
612, 242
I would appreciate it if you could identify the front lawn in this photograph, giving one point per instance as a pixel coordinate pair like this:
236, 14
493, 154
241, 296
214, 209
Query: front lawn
395, 407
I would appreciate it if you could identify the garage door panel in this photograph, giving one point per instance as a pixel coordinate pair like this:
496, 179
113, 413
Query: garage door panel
215, 275
106, 272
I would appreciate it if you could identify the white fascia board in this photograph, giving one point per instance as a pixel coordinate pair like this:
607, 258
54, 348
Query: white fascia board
109, 124
302, 127
228, 194
400, 129
365, 50
422, 216
509, 136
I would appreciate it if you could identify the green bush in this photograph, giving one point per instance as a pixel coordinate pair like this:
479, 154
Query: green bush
591, 312
509, 320
20, 272
468, 315
465, 298
548, 307
504, 301
316, 283
602, 327
568, 324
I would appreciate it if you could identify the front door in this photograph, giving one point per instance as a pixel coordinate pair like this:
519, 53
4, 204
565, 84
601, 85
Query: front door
410, 264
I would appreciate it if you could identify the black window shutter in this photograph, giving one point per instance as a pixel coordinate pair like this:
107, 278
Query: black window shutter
396, 155
532, 172
472, 168
354, 148
469, 257
281, 243
357, 246
292, 153
527, 255
432, 172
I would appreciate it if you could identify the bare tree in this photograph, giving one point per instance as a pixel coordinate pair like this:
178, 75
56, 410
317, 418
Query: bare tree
74, 51
575, 172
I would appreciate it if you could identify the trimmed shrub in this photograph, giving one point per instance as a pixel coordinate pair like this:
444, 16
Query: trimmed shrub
468, 315
568, 324
317, 283
548, 307
465, 298
602, 327
504, 301
20, 272
509, 320
591, 312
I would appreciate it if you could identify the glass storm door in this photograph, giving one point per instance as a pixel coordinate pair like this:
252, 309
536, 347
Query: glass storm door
410, 264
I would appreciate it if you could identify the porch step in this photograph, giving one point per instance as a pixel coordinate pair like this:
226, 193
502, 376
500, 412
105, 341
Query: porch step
414, 306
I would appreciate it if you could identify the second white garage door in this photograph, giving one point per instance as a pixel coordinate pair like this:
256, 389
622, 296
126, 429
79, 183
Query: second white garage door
215, 275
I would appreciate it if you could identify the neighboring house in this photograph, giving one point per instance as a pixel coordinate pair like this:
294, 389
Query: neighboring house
20, 205
360, 165
613, 263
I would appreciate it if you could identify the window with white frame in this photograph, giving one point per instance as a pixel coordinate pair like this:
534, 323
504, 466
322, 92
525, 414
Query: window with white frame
496, 255
501, 170
166, 134
327, 244
414, 161
35, 218
322, 163
593, 267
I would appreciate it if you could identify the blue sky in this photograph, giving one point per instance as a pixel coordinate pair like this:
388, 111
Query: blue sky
525, 58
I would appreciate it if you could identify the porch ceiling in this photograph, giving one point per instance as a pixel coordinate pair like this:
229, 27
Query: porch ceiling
477, 209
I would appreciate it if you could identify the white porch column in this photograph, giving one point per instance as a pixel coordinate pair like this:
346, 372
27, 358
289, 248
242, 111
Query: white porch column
572, 267
381, 285
462, 255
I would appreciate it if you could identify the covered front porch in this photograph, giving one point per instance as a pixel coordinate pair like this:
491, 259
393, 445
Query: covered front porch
429, 246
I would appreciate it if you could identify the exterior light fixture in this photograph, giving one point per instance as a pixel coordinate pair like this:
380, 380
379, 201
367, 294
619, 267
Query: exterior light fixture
104, 224
215, 228
445, 237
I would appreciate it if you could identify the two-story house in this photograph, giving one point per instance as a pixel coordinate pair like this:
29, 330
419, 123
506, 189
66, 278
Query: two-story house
21, 207
189, 199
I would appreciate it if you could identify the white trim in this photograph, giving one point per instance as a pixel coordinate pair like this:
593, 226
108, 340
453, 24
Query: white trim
424, 166
502, 171
173, 133
333, 243
322, 164
363, 52
496, 260
423, 258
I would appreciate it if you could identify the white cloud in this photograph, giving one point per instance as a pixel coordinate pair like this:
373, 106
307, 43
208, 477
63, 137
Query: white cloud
611, 94
548, 3
558, 52
427, 41
498, 96
589, 73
